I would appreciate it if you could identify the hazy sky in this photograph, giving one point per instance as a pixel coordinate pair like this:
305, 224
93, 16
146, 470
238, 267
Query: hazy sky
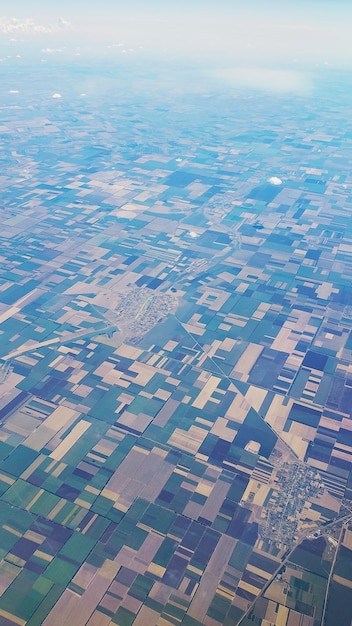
272, 33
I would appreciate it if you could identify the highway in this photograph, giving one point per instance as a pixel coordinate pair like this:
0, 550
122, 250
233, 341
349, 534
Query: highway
63, 340
344, 519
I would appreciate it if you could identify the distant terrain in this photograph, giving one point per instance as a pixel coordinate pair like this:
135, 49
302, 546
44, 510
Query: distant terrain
175, 349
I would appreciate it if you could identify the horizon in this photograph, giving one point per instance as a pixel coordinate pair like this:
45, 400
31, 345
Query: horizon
274, 35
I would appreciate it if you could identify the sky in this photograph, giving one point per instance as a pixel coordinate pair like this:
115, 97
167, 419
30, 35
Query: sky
271, 33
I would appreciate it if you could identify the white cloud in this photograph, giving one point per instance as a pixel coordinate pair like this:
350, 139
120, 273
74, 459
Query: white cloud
13, 25
62, 23
52, 50
56, 95
274, 180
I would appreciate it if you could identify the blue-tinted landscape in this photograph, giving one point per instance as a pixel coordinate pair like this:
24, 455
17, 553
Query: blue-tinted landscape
175, 327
